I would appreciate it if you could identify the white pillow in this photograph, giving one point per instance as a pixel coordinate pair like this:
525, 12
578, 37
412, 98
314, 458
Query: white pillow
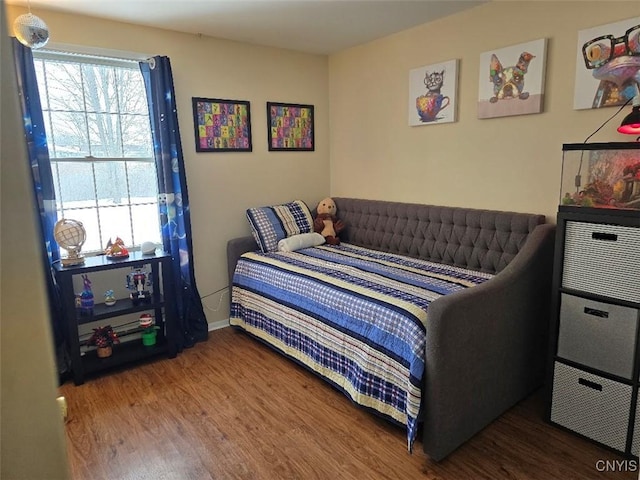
302, 240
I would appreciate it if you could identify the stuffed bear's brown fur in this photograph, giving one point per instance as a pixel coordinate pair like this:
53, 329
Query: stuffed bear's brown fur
326, 223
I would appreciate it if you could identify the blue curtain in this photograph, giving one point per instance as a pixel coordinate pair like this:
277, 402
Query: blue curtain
173, 196
38, 157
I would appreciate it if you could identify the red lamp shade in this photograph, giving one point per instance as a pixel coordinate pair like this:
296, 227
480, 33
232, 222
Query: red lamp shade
631, 123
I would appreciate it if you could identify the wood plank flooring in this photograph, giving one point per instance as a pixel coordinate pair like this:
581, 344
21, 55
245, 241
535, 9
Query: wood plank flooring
231, 408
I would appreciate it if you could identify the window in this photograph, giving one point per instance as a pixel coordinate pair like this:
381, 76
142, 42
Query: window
100, 146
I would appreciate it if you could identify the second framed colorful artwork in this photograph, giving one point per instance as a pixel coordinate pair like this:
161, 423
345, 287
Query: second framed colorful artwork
222, 125
290, 127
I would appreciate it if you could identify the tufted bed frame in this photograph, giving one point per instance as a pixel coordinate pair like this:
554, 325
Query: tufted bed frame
485, 346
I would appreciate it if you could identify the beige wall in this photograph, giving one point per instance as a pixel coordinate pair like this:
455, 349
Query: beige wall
509, 163
364, 142
222, 185
32, 437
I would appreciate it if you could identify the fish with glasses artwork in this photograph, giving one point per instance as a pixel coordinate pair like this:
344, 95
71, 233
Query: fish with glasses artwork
612, 58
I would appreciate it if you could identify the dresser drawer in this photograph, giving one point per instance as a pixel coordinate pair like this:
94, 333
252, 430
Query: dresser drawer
590, 405
599, 335
635, 444
602, 259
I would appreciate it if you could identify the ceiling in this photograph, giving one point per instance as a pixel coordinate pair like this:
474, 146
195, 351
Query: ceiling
312, 26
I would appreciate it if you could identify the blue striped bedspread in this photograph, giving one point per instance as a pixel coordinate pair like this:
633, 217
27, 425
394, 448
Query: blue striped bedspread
354, 316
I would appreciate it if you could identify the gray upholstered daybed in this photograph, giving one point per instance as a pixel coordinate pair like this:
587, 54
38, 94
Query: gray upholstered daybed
484, 346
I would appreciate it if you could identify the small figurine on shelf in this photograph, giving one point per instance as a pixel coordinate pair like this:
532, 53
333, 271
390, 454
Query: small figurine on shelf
109, 299
86, 297
103, 338
137, 280
116, 249
149, 330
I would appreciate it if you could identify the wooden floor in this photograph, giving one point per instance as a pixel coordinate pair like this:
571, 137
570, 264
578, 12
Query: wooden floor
231, 408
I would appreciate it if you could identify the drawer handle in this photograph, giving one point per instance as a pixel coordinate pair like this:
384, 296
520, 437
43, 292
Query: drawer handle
596, 313
608, 237
587, 383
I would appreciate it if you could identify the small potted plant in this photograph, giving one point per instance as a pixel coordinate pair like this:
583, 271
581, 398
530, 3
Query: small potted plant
103, 338
149, 330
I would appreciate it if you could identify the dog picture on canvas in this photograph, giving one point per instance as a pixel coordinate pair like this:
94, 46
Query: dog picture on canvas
512, 80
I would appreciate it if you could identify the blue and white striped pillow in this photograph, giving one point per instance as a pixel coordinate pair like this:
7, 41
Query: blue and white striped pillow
271, 224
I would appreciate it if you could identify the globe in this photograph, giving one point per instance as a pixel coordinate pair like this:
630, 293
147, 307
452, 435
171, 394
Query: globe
70, 235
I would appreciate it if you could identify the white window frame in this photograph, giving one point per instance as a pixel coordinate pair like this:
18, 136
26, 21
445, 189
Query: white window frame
77, 54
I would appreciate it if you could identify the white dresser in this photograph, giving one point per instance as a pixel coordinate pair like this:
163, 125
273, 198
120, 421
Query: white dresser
594, 357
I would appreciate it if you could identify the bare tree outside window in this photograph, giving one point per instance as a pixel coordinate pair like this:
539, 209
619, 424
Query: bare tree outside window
99, 138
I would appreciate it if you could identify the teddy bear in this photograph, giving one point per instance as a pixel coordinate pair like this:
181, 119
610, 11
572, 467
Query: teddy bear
326, 223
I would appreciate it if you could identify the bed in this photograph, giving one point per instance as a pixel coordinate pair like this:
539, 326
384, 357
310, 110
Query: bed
425, 315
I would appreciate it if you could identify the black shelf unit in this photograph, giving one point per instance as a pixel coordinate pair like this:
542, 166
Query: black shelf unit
122, 307
129, 350
123, 353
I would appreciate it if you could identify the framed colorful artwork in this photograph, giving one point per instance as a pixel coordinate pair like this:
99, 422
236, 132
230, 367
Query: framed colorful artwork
607, 65
432, 93
222, 125
290, 127
512, 80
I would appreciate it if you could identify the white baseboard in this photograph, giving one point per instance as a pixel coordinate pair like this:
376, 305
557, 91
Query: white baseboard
219, 324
